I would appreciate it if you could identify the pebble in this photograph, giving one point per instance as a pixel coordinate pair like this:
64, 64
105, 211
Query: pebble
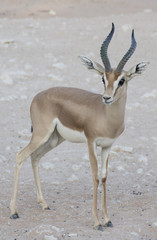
2, 158
52, 13
73, 178
24, 133
120, 168
23, 97
59, 65
9, 98
76, 167
148, 10
140, 170
154, 139
6, 79
55, 78
154, 34
152, 94
72, 235
8, 148
154, 225
86, 157
47, 165
57, 229
113, 154
51, 237
143, 159
134, 234
126, 27
122, 149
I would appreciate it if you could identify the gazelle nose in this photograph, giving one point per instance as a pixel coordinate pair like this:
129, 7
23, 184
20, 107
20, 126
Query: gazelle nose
106, 98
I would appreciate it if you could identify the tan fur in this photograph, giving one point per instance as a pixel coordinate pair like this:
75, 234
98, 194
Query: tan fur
80, 113
112, 77
67, 103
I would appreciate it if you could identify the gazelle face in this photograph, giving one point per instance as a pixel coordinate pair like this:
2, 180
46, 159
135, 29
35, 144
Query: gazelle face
115, 80
115, 85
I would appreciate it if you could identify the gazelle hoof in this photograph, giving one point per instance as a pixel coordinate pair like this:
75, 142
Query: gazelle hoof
47, 208
14, 216
99, 227
108, 224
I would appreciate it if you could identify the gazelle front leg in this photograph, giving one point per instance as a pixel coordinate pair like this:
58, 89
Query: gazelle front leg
104, 160
94, 167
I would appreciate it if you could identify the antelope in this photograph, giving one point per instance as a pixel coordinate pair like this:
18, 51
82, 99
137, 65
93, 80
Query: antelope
76, 115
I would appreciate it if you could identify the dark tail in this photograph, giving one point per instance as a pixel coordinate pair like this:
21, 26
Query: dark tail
31, 129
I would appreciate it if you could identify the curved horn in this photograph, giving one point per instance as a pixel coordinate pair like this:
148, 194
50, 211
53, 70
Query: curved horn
103, 50
127, 55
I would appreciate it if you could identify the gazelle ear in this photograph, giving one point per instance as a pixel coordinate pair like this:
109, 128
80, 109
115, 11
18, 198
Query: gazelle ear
92, 65
136, 70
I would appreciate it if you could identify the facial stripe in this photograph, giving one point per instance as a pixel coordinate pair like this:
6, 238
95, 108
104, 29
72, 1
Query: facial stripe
115, 85
106, 81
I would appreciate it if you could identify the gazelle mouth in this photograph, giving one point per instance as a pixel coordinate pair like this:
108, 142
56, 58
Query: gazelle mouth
107, 102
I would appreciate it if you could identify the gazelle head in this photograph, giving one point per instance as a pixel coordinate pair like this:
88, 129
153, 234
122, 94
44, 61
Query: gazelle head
114, 79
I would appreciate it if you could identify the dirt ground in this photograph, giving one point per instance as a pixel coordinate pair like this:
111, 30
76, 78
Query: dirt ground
39, 46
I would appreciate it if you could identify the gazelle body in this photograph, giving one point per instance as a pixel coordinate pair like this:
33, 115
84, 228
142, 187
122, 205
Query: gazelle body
76, 115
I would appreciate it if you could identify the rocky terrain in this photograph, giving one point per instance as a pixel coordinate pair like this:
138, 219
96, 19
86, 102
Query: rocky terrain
40, 42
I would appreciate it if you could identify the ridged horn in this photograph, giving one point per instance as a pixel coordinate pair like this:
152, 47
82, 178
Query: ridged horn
103, 50
127, 55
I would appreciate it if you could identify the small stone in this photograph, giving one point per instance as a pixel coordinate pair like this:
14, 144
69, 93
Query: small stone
126, 27
72, 235
73, 178
154, 225
148, 10
47, 165
6, 79
51, 237
122, 149
52, 13
120, 168
59, 65
140, 170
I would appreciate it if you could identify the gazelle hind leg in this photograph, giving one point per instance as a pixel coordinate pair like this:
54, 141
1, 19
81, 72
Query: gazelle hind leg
20, 158
35, 143
35, 158
53, 141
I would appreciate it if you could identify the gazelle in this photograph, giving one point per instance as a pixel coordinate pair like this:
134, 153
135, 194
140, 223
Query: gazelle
76, 115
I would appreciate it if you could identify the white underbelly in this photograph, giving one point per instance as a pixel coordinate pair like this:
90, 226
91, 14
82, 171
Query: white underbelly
70, 134
104, 142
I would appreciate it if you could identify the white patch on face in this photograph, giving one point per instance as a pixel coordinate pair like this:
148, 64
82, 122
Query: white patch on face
111, 93
106, 81
115, 85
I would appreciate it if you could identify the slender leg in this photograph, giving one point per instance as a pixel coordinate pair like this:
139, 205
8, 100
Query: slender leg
35, 158
94, 167
53, 141
104, 160
40, 197
20, 158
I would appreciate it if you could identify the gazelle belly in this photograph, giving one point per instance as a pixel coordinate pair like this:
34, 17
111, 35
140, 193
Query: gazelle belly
104, 142
70, 134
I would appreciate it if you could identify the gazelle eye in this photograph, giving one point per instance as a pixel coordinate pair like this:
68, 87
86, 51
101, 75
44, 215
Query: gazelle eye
121, 82
103, 80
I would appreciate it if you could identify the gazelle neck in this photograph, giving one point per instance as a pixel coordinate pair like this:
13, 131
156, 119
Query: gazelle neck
116, 114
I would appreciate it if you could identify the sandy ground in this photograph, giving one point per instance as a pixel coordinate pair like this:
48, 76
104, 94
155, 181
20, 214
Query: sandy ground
39, 45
